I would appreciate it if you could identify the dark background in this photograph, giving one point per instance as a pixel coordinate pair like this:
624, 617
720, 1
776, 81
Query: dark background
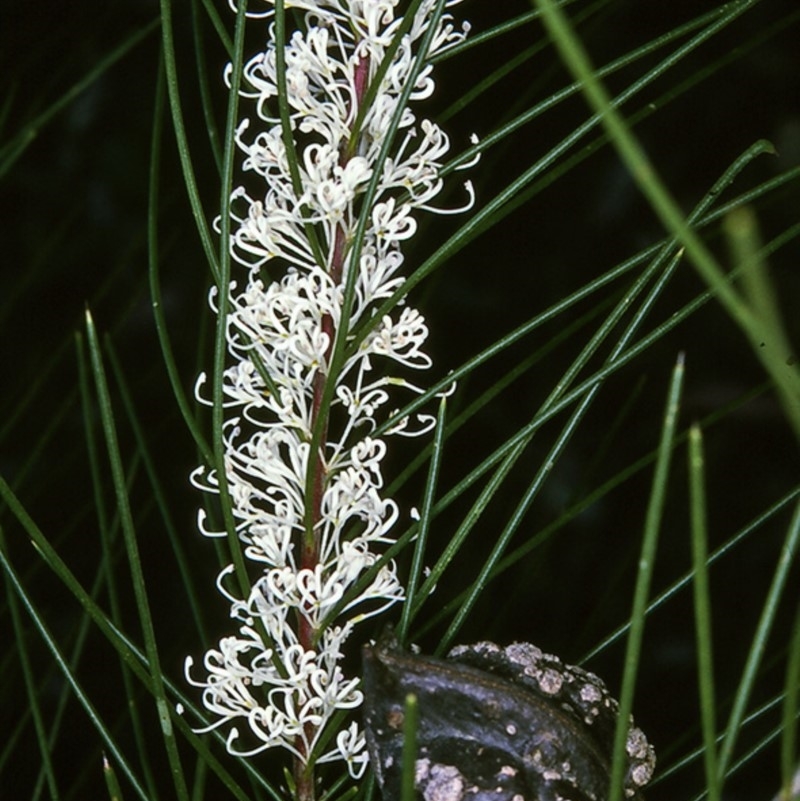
74, 233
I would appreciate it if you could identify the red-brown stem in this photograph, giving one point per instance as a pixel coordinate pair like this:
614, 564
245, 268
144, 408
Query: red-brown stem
304, 780
309, 557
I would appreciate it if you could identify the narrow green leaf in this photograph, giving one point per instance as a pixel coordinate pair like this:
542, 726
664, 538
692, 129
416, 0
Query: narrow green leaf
655, 511
68, 674
106, 574
223, 284
702, 610
179, 126
700, 217
755, 719
184, 568
425, 521
790, 773
645, 175
204, 80
32, 690
584, 403
741, 228
132, 549
759, 642
10, 152
112, 783
133, 656
153, 263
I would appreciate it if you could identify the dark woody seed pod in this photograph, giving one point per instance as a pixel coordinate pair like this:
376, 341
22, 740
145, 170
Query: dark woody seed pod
496, 724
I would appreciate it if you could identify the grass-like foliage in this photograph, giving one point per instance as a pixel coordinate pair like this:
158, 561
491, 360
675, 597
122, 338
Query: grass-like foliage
609, 461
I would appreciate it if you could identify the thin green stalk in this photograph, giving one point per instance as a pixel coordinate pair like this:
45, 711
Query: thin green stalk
747, 256
757, 748
516, 518
174, 93
626, 59
165, 515
702, 611
467, 524
786, 377
695, 754
33, 693
655, 512
126, 649
533, 188
425, 521
219, 25
791, 710
591, 498
498, 386
506, 200
47, 432
569, 398
223, 288
506, 455
112, 783
661, 250
106, 574
561, 386
759, 643
77, 650
68, 675
767, 740
153, 261
683, 581
11, 151
203, 82
164, 708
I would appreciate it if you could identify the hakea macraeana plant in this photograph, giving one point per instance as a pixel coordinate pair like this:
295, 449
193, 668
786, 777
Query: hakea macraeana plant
312, 518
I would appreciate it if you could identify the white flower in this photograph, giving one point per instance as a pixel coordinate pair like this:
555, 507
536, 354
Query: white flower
312, 523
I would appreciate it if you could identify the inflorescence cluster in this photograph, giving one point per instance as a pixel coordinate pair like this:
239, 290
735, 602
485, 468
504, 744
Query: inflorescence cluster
312, 518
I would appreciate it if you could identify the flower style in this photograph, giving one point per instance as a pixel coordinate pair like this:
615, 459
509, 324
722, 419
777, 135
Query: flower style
313, 519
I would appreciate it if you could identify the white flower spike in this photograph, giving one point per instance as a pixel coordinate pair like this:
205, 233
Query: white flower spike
312, 524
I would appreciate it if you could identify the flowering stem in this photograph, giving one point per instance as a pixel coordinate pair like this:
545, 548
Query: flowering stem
301, 398
304, 771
